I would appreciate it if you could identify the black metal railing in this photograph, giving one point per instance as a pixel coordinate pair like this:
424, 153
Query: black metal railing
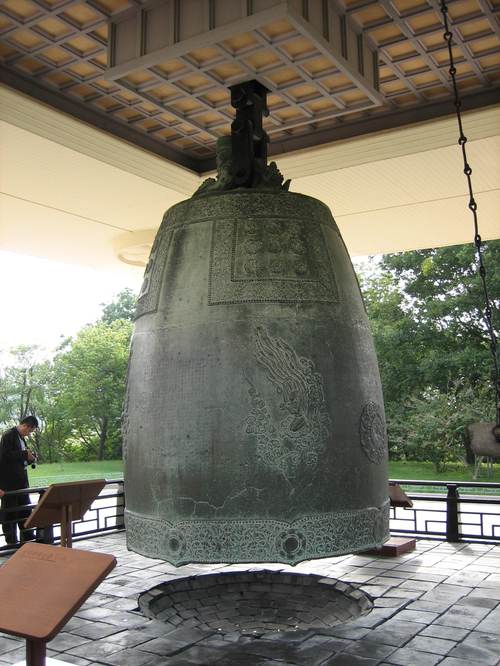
105, 515
454, 510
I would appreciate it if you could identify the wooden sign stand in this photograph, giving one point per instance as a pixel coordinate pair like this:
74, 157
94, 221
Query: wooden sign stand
41, 587
63, 503
398, 497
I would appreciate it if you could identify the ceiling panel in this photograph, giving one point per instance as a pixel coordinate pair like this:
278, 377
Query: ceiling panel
420, 225
424, 176
55, 176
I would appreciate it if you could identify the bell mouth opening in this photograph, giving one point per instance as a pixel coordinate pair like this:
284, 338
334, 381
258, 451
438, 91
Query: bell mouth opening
255, 603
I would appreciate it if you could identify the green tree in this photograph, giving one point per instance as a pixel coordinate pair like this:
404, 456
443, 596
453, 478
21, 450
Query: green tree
443, 295
77, 396
91, 373
122, 307
27, 387
400, 344
54, 426
19, 384
426, 312
431, 426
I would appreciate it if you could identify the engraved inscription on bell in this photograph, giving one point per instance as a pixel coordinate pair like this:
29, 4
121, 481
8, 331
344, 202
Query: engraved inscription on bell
254, 415
283, 260
276, 250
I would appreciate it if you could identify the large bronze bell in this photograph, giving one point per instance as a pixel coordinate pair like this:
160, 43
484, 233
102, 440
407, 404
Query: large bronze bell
254, 425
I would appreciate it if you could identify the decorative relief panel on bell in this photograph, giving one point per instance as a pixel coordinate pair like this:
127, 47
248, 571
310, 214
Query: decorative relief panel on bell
149, 296
292, 441
238, 204
273, 249
258, 540
272, 260
372, 433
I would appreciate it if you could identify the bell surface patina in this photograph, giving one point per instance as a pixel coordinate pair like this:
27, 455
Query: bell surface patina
254, 425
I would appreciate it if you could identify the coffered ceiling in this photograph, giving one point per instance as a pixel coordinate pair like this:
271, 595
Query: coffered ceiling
157, 73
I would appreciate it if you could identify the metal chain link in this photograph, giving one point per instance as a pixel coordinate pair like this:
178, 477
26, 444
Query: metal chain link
462, 140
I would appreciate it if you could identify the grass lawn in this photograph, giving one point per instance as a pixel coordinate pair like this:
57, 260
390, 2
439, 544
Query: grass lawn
425, 471
46, 474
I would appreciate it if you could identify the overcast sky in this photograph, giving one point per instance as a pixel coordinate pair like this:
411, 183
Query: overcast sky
42, 301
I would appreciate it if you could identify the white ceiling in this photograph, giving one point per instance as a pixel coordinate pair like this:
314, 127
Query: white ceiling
71, 193
410, 202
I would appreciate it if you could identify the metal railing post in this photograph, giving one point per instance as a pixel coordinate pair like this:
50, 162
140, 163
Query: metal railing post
452, 500
120, 523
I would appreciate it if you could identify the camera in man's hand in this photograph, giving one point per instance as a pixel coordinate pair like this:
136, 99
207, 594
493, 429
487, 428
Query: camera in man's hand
32, 459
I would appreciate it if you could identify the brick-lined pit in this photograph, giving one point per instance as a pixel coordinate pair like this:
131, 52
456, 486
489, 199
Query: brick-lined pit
254, 602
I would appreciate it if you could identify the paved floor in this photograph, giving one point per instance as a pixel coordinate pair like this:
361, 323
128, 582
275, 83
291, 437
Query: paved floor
437, 605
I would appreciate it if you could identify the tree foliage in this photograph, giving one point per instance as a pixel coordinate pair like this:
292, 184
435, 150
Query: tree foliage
444, 297
123, 307
431, 425
21, 388
426, 310
77, 395
90, 379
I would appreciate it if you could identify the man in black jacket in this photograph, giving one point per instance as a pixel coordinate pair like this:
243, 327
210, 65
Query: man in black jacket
14, 459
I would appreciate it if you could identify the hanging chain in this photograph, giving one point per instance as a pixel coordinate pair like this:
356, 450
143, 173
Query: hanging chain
462, 140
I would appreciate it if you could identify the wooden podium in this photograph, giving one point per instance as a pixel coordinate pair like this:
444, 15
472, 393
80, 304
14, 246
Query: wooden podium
63, 503
41, 587
398, 497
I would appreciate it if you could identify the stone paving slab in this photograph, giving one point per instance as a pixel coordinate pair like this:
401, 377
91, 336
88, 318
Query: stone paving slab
454, 661
475, 653
439, 605
450, 633
410, 657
